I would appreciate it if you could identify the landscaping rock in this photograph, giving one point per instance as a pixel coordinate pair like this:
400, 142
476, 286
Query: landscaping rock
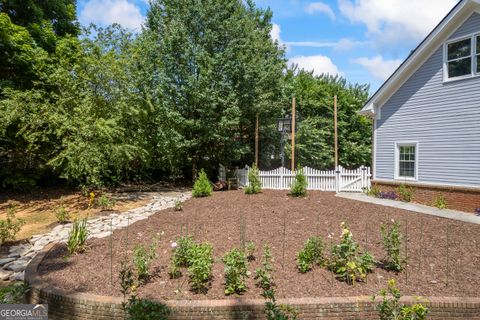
6, 260
5, 275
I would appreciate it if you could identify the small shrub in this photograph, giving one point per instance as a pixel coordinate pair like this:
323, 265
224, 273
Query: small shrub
91, 200
200, 266
311, 253
142, 258
13, 293
374, 191
181, 256
262, 275
77, 238
178, 205
10, 226
347, 261
62, 214
250, 250
390, 195
202, 186
105, 202
391, 309
392, 244
405, 193
127, 282
299, 186
254, 183
236, 271
440, 202
140, 309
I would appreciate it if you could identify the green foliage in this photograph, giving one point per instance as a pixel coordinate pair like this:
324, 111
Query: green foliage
311, 253
13, 293
374, 191
142, 258
254, 183
405, 192
391, 309
262, 275
236, 271
105, 202
250, 250
200, 266
140, 309
440, 202
10, 226
77, 238
127, 281
392, 243
347, 261
181, 256
62, 214
299, 185
178, 205
275, 311
202, 186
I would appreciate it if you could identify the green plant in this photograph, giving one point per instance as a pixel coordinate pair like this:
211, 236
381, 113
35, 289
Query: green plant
91, 200
78, 237
347, 261
140, 309
142, 258
11, 225
374, 191
299, 185
13, 293
202, 186
405, 192
262, 275
392, 243
391, 309
236, 271
200, 266
311, 253
127, 282
440, 202
62, 214
178, 205
105, 202
250, 250
254, 183
181, 255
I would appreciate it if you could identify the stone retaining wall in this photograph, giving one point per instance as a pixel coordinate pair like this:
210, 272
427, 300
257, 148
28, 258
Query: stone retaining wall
65, 305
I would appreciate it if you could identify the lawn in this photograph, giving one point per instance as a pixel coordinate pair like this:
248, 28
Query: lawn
443, 255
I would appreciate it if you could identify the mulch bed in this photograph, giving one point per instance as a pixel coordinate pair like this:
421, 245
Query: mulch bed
443, 254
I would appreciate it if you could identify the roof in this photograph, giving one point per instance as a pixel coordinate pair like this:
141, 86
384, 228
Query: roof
461, 12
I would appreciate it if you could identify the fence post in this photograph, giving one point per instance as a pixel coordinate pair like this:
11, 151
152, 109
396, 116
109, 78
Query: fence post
247, 168
337, 179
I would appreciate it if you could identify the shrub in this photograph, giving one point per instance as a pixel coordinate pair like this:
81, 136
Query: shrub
78, 237
178, 205
10, 226
254, 183
127, 282
390, 195
13, 293
105, 202
140, 309
392, 244
142, 258
200, 266
374, 191
262, 275
347, 261
236, 271
180, 258
405, 193
250, 250
202, 186
299, 186
391, 309
311, 253
440, 202
62, 214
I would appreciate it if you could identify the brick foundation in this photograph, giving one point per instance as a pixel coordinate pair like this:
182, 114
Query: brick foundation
457, 198
64, 305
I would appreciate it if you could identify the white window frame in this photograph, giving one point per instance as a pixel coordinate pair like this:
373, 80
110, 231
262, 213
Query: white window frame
397, 159
473, 57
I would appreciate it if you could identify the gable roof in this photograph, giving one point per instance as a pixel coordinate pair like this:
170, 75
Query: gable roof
457, 16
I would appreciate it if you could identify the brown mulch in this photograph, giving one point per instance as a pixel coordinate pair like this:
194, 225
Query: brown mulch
443, 254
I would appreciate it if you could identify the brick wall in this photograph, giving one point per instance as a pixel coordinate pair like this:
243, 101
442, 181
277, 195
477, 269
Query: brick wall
463, 199
63, 305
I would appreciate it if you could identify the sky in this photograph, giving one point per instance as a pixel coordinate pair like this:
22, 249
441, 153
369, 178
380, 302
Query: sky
361, 40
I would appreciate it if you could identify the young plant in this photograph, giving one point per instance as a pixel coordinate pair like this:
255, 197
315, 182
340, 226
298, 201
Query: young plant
405, 193
181, 256
236, 271
262, 275
91, 200
254, 183
477, 212
202, 186
178, 205
347, 260
142, 258
140, 309
391, 309
390, 195
311, 253
200, 266
62, 214
374, 191
77, 238
105, 202
392, 243
250, 250
10, 226
299, 186
127, 282
440, 202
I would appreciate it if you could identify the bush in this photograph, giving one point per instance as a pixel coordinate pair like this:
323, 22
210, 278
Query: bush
236, 271
10, 226
140, 309
347, 261
62, 214
392, 244
299, 186
178, 205
391, 309
200, 266
202, 186
181, 256
105, 202
440, 202
405, 193
254, 183
262, 275
142, 258
78, 237
311, 253
374, 191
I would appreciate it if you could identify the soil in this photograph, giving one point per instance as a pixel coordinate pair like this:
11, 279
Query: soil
443, 255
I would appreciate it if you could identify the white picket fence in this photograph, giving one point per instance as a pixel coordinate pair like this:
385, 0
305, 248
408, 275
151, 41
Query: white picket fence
341, 180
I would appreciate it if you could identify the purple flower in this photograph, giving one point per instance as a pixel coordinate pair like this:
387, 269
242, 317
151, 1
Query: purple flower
477, 212
391, 195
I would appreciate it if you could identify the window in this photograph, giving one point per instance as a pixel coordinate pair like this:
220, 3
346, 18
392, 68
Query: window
478, 54
406, 161
459, 58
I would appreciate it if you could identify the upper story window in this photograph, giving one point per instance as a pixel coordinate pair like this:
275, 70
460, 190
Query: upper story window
462, 58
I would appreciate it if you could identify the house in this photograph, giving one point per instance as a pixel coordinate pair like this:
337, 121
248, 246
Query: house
427, 116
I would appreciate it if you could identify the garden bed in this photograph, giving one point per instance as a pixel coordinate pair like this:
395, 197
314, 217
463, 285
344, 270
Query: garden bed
443, 255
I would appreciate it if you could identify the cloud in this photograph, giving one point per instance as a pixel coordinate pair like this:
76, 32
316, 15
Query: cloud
320, 7
394, 21
318, 64
378, 67
342, 44
106, 12
275, 33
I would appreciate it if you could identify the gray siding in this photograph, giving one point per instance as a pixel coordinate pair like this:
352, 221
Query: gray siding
444, 118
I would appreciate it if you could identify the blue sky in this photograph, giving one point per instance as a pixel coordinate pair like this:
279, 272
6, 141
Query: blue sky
362, 40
